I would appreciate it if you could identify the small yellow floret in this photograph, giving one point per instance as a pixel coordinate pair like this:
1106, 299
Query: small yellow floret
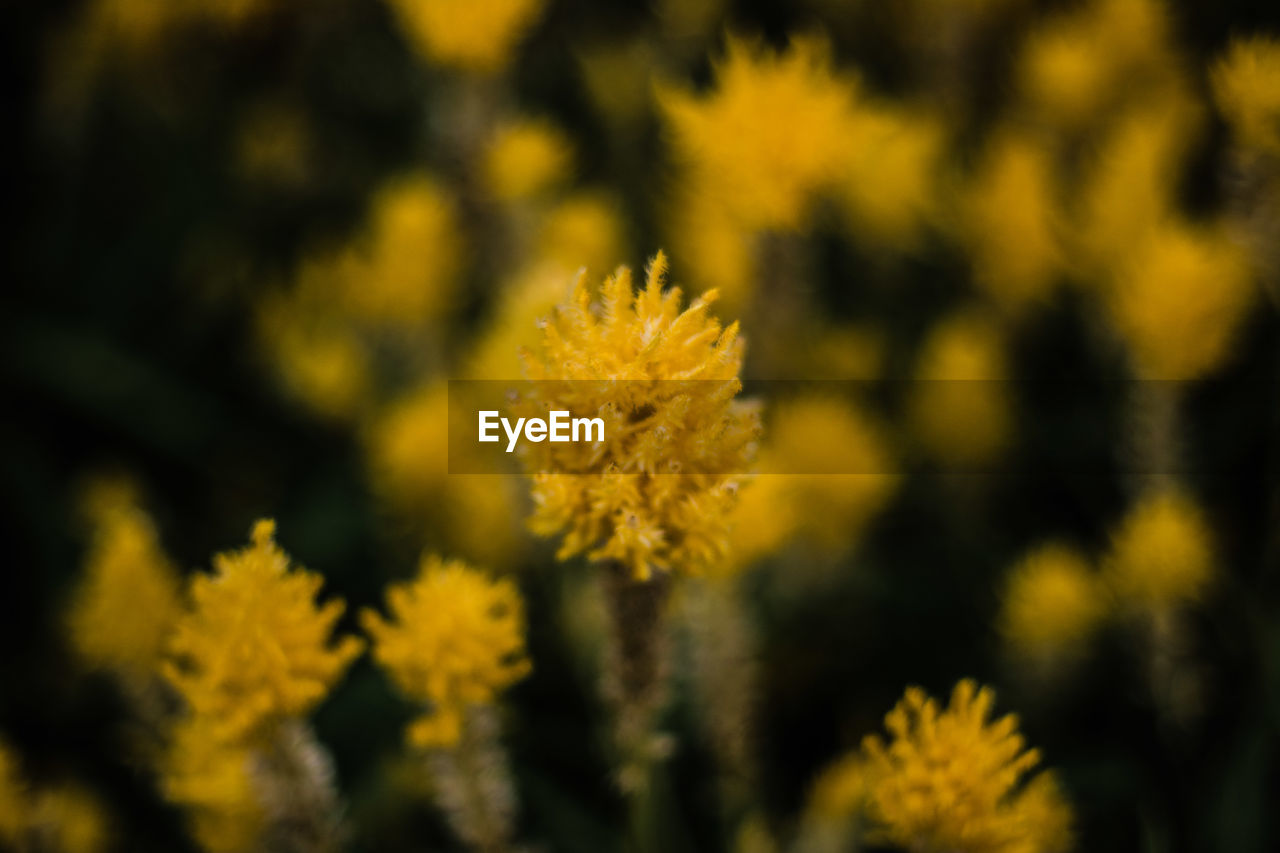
952, 780
770, 136
1179, 300
525, 159
655, 493
1052, 602
455, 638
1161, 555
473, 35
254, 649
1246, 86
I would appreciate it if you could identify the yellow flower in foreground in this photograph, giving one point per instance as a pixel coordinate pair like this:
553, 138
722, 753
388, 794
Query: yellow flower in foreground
952, 781
770, 135
1052, 602
1246, 86
455, 638
1161, 555
128, 601
1012, 225
655, 493
1178, 301
212, 781
959, 406
474, 35
526, 158
254, 649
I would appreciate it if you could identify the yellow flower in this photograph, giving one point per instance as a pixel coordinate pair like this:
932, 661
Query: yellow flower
455, 638
582, 230
15, 805
525, 159
1052, 602
714, 246
1246, 86
889, 190
1011, 223
473, 35
951, 780
128, 601
1179, 299
253, 649
212, 781
959, 408
655, 493
842, 790
770, 136
1161, 555
68, 819
320, 361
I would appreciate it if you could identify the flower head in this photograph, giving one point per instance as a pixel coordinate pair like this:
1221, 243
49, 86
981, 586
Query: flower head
128, 601
1052, 602
1246, 86
770, 136
952, 780
526, 158
254, 649
654, 493
473, 35
1161, 555
455, 638
1178, 301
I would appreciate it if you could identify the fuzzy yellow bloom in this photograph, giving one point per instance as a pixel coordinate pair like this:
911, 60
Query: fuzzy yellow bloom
319, 361
952, 780
1246, 87
213, 782
253, 649
473, 35
714, 246
1052, 603
1129, 188
1012, 225
455, 638
889, 189
128, 601
582, 230
1161, 554
655, 493
959, 410
14, 801
1179, 300
770, 136
525, 159
70, 820
842, 790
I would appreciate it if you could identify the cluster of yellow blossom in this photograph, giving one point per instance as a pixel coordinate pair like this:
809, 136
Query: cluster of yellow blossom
1053, 603
127, 602
472, 35
254, 649
1246, 86
63, 818
953, 780
1161, 554
454, 639
655, 493
524, 159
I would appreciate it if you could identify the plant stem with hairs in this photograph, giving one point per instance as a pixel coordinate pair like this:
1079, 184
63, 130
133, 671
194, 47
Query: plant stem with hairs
473, 784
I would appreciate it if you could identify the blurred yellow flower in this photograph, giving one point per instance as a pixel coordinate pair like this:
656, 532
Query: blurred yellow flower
959, 409
473, 35
70, 820
253, 649
128, 601
655, 493
1179, 300
1011, 223
582, 230
715, 247
770, 136
525, 159
952, 780
842, 789
617, 78
1161, 554
320, 361
1246, 87
889, 189
213, 782
455, 638
1052, 603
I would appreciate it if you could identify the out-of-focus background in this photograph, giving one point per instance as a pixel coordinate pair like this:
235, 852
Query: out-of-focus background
249, 242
